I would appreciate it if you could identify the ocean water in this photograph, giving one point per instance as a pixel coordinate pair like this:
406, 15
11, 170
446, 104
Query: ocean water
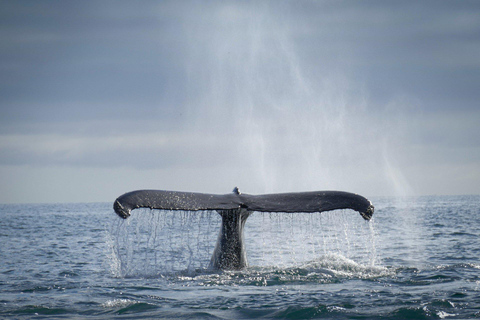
417, 259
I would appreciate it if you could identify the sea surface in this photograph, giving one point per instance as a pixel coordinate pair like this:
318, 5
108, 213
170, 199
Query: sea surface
417, 259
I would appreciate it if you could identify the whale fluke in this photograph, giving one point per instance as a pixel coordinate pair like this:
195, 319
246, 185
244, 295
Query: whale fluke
236, 207
173, 200
316, 201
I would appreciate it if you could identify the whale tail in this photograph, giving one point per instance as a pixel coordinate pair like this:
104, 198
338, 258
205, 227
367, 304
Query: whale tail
235, 208
316, 201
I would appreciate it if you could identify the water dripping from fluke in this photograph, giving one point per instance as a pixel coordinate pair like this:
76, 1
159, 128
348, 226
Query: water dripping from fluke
234, 209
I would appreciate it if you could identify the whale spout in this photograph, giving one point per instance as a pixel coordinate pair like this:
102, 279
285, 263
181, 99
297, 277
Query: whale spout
235, 208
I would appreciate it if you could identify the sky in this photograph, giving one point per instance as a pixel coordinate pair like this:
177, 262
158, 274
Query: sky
98, 98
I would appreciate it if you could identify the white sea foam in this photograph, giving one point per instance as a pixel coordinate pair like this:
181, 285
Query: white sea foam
118, 303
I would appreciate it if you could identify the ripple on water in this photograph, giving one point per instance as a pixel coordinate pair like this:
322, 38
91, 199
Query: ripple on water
40, 310
325, 270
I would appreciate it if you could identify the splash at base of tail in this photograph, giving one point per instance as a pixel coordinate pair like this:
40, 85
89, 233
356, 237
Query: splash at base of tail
235, 208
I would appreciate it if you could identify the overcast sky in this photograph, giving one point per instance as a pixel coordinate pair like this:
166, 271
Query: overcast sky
98, 98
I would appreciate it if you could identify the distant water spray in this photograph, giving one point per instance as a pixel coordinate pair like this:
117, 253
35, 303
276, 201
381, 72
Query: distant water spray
154, 243
284, 125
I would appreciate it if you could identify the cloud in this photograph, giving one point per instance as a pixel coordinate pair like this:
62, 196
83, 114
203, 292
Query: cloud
277, 95
140, 151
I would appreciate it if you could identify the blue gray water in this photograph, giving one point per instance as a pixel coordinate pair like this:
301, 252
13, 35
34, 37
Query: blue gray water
417, 259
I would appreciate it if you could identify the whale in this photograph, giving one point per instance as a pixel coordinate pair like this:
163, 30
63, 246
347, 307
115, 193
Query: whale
235, 208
